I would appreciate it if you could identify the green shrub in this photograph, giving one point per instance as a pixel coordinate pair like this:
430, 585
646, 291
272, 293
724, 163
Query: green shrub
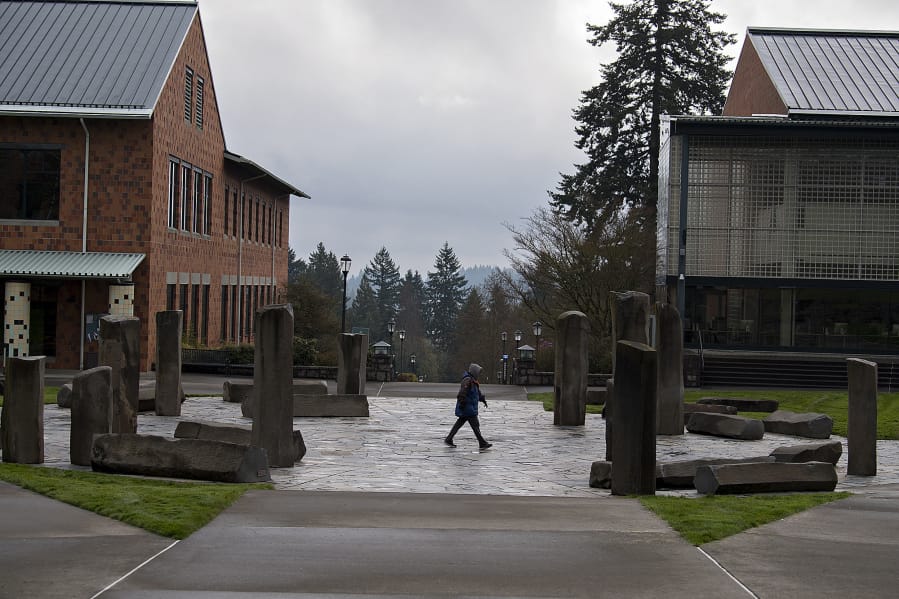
305, 351
406, 377
241, 354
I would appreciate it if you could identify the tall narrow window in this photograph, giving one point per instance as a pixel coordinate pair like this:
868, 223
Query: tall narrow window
185, 195
223, 325
204, 328
280, 228
248, 232
198, 107
184, 313
197, 213
234, 215
188, 94
264, 236
207, 204
173, 194
257, 220
235, 331
170, 296
227, 208
195, 309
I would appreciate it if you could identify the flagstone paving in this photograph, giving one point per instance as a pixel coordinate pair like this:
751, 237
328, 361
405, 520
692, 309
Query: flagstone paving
400, 448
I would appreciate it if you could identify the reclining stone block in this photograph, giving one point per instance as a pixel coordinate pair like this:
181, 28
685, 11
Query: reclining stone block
310, 387
228, 433
151, 455
64, 396
601, 475
319, 406
773, 477
725, 425
692, 408
680, 474
243, 393
596, 396
742, 404
810, 424
237, 392
829, 451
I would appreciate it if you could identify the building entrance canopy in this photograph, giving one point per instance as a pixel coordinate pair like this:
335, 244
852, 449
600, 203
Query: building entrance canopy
68, 265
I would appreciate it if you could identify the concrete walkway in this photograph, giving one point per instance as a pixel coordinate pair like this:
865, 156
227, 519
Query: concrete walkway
379, 507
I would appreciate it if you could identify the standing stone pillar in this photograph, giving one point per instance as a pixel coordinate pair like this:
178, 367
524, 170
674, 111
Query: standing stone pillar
670, 363
607, 414
17, 318
91, 401
168, 363
634, 420
570, 389
121, 300
120, 350
273, 385
862, 433
352, 351
630, 322
22, 416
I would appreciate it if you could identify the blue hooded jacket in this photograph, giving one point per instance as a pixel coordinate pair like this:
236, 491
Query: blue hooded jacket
469, 393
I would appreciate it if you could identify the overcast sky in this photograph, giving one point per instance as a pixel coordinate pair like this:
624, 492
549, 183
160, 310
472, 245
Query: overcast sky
417, 122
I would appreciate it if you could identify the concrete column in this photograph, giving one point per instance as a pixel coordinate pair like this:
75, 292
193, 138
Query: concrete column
120, 350
352, 351
862, 434
168, 363
570, 389
670, 363
22, 416
634, 420
92, 398
17, 319
121, 300
273, 385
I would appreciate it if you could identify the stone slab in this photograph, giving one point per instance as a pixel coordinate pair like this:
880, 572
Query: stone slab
328, 406
601, 475
596, 396
742, 404
808, 424
681, 474
829, 451
692, 408
773, 477
64, 396
725, 425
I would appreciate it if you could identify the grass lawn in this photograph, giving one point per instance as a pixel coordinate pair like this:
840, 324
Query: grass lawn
833, 403
167, 508
49, 395
705, 519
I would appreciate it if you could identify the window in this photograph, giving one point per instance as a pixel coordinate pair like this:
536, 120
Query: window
249, 216
234, 215
197, 212
235, 332
280, 228
195, 309
263, 224
188, 94
173, 194
207, 203
185, 195
257, 220
204, 330
29, 183
227, 193
184, 306
198, 108
223, 336
170, 297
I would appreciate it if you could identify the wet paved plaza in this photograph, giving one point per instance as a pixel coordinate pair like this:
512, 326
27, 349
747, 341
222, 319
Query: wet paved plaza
400, 448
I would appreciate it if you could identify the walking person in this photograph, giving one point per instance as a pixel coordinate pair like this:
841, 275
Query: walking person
467, 406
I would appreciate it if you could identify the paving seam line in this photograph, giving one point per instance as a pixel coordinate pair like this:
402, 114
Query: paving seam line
144, 563
731, 576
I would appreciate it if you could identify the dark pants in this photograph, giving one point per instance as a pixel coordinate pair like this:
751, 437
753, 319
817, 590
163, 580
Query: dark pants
475, 426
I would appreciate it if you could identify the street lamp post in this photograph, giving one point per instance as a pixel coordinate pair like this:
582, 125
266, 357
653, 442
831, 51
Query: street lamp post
412, 361
345, 263
402, 341
391, 327
538, 329
504, 336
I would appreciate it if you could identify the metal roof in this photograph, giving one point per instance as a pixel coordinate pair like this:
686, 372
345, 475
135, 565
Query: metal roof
824, 72
259, 172
68, 265
96, 58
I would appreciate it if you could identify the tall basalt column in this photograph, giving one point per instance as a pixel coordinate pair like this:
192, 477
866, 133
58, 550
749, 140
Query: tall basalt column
630, 322
273, 384
670, 363
352, 349
570, 389
22, 415
634, 420
168, 363
91, 398
120, 350
862, 427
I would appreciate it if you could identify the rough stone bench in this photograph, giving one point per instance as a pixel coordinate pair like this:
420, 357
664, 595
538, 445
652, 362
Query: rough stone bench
229, 433
152, 455
327, 406
809, 424
680, 474
726, 425
774, 477
829, 451
742, 404
692, 408
236, 392
243, 393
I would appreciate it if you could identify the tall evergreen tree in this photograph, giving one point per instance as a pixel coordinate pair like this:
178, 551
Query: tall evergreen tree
296, 267
364, 311
410, 315
444, 294
472, 341
324, 272
670, 61
380, 279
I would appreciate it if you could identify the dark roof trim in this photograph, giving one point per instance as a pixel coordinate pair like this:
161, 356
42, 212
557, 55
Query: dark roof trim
827, 32
261, 172
752, 125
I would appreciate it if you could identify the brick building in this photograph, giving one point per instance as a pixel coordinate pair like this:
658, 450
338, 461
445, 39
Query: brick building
117, 191
777, 220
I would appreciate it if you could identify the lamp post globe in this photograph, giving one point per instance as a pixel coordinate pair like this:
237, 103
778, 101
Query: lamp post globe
538, 330
402, 333
345, 263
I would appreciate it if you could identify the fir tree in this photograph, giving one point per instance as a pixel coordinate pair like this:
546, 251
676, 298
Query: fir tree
380, 287
324, 272
670, 60
444, 294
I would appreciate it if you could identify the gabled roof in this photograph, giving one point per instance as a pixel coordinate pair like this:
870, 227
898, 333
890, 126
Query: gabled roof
254, 171
831, 73
88, 58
